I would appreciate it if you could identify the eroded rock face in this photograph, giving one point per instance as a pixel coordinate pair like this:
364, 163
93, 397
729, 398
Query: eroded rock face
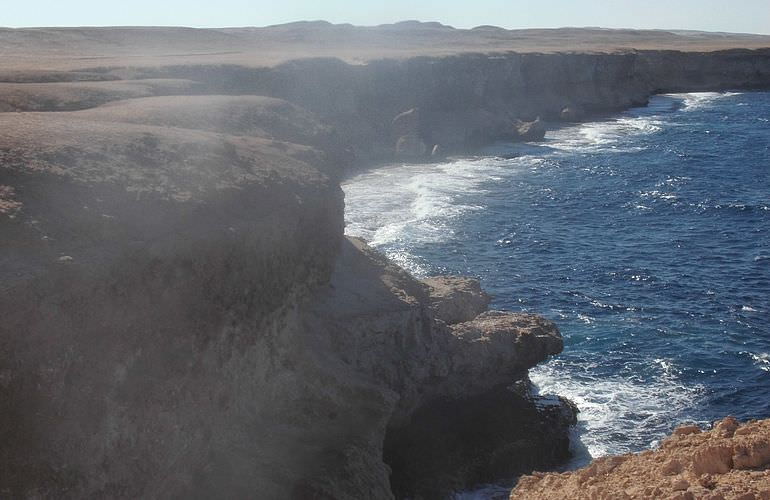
464, 433
427, 359
468, 101
499, 342
406, 129
730, 461
451, 444
149, 290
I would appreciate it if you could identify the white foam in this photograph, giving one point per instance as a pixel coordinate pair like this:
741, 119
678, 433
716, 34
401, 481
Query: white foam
400, 206
697, 100
609, 134
659, 195
761, 360
617, 414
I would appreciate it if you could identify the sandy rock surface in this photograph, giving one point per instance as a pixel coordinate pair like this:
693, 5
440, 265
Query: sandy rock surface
729, 462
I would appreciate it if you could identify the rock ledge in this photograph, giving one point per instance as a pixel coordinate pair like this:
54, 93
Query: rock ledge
730, 461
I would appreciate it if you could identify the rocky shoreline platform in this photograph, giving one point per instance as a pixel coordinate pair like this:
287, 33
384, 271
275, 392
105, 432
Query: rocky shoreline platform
729, 462
181, 312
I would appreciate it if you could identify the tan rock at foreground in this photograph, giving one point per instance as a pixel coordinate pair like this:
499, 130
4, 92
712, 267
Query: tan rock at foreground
731, 461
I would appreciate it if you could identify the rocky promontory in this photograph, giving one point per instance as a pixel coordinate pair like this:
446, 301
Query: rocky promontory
181, 314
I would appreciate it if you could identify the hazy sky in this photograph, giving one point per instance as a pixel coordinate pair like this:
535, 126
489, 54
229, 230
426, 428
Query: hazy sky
749, 16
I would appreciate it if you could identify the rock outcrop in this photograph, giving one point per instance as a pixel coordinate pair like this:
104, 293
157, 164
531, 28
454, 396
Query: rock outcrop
729, 462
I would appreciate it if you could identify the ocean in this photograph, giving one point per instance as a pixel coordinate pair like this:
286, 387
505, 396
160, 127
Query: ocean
645, 236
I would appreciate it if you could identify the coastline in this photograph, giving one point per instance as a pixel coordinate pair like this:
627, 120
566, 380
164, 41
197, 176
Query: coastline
176, 272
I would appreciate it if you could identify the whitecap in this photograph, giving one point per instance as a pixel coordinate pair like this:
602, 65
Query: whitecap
609, 134
661, 195
697, 100
761, 360
618, 414
398, 207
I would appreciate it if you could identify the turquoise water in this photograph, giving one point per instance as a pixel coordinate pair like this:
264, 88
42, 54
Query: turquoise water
645, 236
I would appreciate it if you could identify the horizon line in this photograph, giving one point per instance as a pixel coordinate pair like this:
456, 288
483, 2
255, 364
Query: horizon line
406, 21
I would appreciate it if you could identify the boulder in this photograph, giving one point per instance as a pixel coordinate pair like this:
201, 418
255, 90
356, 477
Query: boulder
455, 299
497, 341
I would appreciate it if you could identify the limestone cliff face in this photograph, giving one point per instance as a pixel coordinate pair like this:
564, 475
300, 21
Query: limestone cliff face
402, 108
469, 100
150, 280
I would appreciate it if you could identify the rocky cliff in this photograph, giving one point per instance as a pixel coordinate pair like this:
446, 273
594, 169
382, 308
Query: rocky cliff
181, 313
388, 109
182, 317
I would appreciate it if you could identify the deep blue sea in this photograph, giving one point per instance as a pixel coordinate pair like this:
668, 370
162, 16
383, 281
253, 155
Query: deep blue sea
645, 236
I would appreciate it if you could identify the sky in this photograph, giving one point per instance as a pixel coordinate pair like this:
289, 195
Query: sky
743, 16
